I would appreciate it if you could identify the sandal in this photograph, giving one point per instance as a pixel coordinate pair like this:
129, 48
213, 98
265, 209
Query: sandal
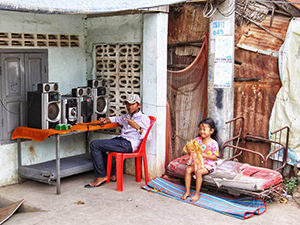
91, 186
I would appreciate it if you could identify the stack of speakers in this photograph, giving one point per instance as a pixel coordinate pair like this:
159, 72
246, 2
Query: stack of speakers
44, 106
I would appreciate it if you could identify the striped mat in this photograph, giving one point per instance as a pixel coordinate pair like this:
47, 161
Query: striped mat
241, 208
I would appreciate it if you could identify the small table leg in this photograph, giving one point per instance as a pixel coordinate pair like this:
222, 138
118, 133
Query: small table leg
87, 142
58, 191
19, 158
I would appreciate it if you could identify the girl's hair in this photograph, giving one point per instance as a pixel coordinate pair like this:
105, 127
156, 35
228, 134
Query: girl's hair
212, 125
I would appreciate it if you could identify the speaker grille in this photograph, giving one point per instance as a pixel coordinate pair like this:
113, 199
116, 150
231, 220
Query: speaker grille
80, 92
101, 104
47, 87
53, 111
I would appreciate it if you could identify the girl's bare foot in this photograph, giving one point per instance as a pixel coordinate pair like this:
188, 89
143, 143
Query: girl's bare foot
186, 194
195, 197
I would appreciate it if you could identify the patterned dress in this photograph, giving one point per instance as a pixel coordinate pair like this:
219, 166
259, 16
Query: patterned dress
212, 149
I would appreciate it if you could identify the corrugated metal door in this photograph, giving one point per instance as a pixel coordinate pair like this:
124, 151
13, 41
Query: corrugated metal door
257, 78
256, 85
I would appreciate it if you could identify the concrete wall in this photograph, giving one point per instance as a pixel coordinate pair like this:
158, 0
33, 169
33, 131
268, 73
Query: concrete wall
151, 30
67, 66
155, 87
220, 100
114, 29
72, 66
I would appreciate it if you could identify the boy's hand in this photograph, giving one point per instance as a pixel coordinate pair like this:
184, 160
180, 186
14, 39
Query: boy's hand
132, 123
104, 120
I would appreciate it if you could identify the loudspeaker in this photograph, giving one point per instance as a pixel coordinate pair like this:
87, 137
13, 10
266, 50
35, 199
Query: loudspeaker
81, 91
43, 109
100, 98
70, 110
47, 87
100, 102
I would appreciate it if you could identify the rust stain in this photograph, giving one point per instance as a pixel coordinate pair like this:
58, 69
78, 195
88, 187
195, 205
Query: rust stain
294, 1
254, 36
255, 65
32, 150
254, 101
186, 23
257, 81
32, 155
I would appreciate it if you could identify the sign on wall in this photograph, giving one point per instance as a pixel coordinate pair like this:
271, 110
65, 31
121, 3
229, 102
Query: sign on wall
224, 45
220, 28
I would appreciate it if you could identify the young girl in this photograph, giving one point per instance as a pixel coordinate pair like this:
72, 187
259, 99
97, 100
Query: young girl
203, 161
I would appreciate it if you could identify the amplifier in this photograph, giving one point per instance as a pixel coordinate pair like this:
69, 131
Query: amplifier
71, 110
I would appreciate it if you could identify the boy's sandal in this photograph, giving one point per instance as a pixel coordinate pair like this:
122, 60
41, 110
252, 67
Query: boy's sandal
91, 186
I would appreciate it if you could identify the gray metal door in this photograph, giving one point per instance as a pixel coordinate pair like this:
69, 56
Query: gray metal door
13, 90
20, 72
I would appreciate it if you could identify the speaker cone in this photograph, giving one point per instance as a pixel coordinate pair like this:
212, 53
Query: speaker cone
55, 87
95, 84
53, 111
47, 87
73, 112
88, 91
101, 103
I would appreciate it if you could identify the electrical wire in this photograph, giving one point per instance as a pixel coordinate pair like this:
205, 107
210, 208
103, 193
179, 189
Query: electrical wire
209, 6
209, 9
229, 13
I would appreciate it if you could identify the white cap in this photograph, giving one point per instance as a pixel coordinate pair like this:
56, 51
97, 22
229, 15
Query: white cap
132, 98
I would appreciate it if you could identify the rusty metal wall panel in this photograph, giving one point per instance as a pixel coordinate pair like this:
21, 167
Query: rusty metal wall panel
254, 36
255, 65
254, 101
295, 1
186, 23
257, 79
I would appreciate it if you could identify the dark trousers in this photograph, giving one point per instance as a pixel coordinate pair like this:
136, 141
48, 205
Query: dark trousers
99, 148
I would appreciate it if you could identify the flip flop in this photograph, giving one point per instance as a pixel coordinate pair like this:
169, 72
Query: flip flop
90, 186
113, 180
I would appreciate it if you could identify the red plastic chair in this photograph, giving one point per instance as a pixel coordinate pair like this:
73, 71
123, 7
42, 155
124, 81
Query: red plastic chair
141, 152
